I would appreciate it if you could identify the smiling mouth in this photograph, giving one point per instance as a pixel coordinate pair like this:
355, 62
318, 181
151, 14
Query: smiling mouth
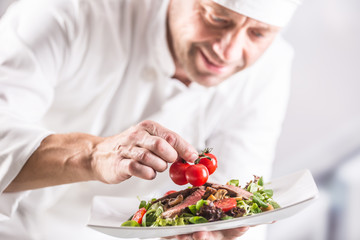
211, 66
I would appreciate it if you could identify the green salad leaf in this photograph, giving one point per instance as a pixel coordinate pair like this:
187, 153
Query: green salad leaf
130, 223
261, 181
198, 219
200, 203
192, 209
234, 182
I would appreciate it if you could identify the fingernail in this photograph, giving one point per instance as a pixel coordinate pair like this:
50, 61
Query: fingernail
193, 157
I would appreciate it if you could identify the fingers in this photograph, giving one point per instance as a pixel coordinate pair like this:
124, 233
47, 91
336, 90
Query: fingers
144, 156
134, 168
141, 151
184, 237
234, 232
160, 147
183, 149
228, 234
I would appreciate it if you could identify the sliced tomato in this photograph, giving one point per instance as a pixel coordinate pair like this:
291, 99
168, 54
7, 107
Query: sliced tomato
169, 192
226, 204
138, 216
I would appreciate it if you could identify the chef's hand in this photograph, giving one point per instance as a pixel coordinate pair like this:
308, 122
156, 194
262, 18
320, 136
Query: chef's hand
228, 234
141, 151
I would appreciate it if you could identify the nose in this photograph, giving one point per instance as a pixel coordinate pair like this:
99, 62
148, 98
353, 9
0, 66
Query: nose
230, 46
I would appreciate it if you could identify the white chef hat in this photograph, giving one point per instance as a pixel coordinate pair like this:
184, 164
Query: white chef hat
274, 12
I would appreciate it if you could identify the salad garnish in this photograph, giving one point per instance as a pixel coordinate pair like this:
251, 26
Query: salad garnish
206, 203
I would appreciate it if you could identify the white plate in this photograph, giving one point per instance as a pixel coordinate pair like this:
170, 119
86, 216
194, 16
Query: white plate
293, 192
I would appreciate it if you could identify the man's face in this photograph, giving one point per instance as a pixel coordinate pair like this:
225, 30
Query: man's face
209, 43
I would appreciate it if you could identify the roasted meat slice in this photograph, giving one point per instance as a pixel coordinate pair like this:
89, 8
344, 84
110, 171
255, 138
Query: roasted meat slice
232, 190
184, 193
179, 208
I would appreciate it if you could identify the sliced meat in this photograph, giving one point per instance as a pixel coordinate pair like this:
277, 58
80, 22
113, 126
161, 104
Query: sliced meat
184, 193
178, 209
233, 191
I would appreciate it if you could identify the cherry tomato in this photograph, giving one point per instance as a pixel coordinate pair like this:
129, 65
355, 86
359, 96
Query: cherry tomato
197, 174
138, 216
210, 164
177, 172
210, 155
206, 153
208, 160
169, 192
226, 204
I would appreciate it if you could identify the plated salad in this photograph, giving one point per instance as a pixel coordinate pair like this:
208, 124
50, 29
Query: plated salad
206, 203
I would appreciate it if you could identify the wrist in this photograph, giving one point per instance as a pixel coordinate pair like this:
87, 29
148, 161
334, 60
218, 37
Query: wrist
84, 160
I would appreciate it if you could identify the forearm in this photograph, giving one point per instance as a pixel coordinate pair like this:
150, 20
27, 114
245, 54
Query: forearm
141, 151
60, 159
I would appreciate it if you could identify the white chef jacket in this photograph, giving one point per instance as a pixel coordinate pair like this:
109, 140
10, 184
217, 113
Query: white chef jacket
100, 67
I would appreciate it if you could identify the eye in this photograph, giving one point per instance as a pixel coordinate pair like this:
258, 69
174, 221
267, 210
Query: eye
257, 34
218, 20
214, 18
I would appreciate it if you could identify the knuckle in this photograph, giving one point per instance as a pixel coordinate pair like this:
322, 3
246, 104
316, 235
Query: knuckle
171, 139
144, 155
125, 151
159, 144
132, 167
133, 128
133, 135
119, 148
129, 149
146, 124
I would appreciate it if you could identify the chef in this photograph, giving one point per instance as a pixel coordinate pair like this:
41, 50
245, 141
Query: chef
99, 97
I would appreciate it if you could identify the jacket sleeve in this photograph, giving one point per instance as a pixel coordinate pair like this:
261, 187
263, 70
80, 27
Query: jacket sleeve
32, 50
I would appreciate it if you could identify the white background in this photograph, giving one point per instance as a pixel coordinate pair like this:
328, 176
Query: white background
322, 127
323, 119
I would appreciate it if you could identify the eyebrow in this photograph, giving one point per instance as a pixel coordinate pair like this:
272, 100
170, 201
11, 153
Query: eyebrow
266, 27
223, 11
218, 9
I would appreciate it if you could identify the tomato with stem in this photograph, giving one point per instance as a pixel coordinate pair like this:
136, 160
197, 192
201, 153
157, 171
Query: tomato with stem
208, 160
